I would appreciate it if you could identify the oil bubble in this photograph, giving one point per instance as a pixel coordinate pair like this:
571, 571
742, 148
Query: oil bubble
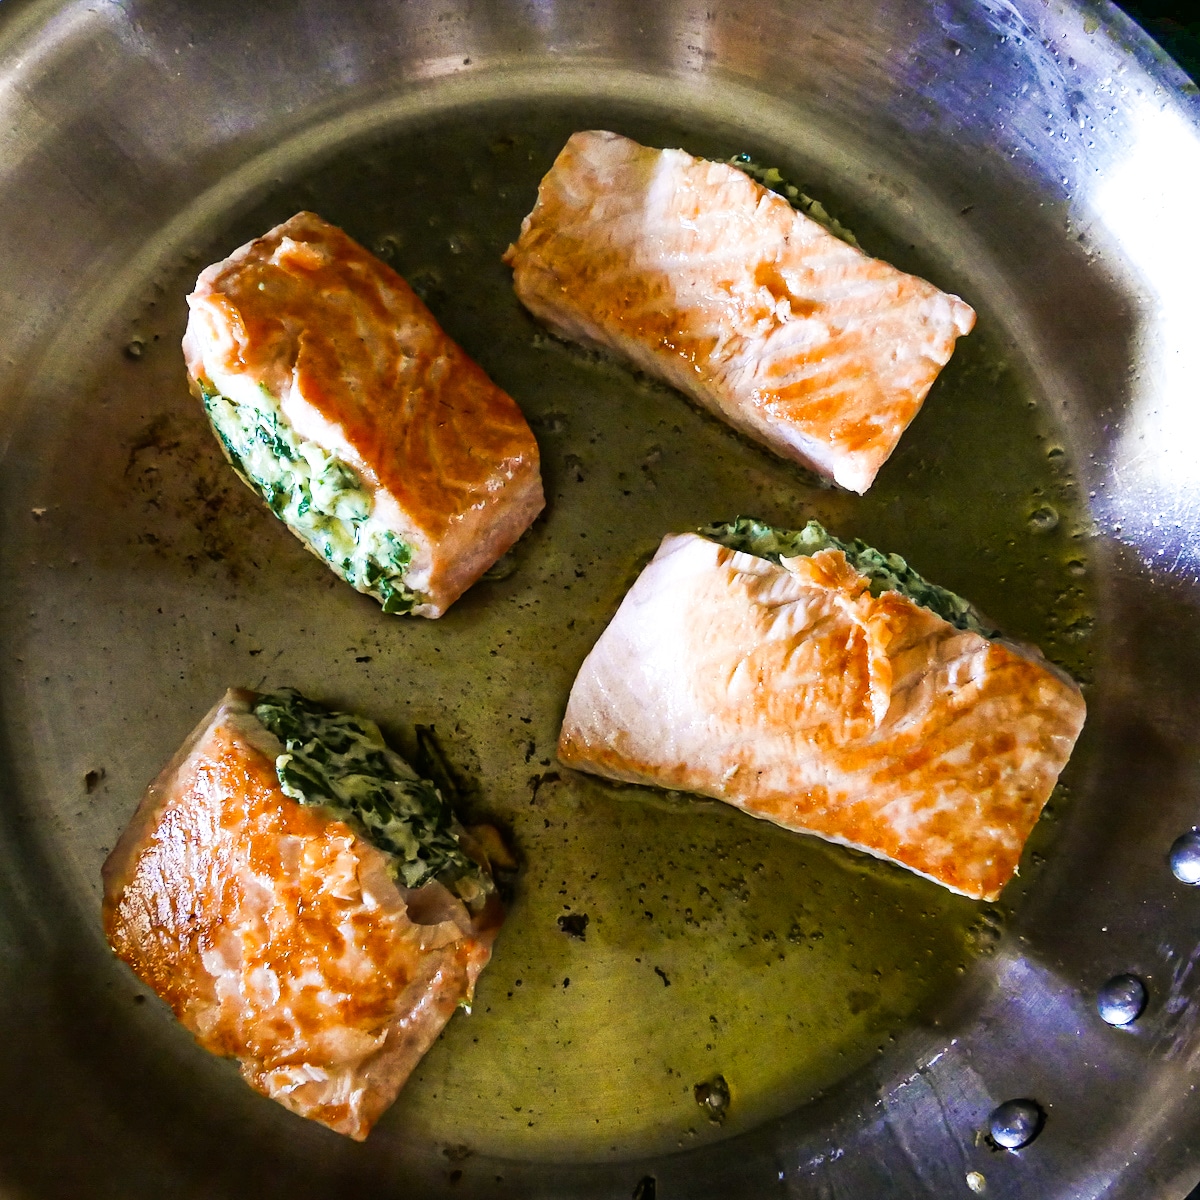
1076, 567
502, 568
387, 246
1043, 519
426, 282
713, 1098
551, 422
1079, 629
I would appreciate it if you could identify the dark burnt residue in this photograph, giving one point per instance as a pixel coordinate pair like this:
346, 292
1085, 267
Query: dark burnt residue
574, 925
157, 435
195, 509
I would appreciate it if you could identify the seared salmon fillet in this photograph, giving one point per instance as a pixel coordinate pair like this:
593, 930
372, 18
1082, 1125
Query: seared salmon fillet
789, 690
706, 279
338, 398
279, 934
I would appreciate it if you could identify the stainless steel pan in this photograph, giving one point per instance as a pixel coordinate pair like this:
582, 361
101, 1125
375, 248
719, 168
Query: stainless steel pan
1039, 158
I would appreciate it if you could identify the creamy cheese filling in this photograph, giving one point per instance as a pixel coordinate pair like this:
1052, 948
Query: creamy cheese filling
341, 762
315, 493
886, 572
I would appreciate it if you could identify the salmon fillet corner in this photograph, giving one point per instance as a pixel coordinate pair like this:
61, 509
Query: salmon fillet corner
792, 693
706, 279
277, 935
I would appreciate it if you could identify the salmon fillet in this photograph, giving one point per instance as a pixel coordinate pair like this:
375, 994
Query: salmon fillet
417, 444
278, 935
791, 692
706, 279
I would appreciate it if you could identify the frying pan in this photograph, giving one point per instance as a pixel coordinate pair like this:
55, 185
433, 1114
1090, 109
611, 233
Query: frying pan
1041, 159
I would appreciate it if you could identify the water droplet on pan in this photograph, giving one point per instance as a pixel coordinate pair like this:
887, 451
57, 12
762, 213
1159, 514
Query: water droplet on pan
1015, 1123
1043, 519
1185, 857
1121, 1000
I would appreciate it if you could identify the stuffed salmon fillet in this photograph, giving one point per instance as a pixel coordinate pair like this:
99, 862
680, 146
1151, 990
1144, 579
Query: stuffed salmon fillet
708, 280
830, 689
304, 903
339, 399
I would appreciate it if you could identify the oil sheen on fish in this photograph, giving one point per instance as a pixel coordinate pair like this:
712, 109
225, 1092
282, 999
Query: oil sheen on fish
701, 276
789, 690
280, 936
339, 399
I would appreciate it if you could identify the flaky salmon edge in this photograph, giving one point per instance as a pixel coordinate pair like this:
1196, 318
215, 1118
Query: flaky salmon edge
119, 866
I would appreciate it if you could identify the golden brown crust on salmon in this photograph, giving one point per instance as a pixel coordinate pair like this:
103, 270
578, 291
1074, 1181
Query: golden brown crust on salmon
792, 693
278, 936
361, 367
712, 282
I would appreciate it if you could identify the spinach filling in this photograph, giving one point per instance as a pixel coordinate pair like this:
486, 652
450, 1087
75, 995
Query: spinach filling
341, 762
770, 177
886, 572
316, 494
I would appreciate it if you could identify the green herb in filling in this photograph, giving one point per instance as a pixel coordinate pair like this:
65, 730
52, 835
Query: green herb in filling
770, 177
886, 572
340, 761
318, 495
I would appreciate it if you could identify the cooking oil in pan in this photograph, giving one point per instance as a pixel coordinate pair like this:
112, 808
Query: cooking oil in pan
671, 970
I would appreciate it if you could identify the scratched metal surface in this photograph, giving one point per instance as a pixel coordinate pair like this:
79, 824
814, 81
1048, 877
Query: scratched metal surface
1040, 158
